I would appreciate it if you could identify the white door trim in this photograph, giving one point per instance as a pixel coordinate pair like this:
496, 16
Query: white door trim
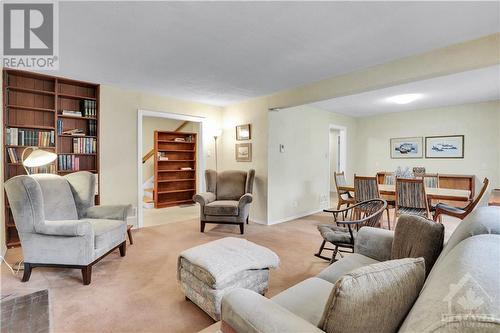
141, 113
343, 150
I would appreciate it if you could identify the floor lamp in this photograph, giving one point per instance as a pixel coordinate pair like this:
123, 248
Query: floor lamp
217, 134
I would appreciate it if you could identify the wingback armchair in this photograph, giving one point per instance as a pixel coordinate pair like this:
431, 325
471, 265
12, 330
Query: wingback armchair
59, 225
228, 198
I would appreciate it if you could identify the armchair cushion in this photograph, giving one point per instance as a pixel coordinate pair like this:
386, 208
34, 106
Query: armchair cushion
379, 295
82, 185
222, 207
58, 200
336, 234
108, 233
375, 243
109, 212
231, 185
65, 228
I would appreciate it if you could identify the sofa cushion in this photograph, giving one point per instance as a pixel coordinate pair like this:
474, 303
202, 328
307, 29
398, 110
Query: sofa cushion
107, 233
345, 265
58, 201
231, 185
222, 207
462, 293
415, 237
376, 296
306, 299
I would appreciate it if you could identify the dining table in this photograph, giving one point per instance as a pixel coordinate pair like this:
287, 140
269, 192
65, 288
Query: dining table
433, 193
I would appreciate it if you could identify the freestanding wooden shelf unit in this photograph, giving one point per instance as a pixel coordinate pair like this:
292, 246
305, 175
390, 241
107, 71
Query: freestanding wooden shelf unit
174, 168
33, 116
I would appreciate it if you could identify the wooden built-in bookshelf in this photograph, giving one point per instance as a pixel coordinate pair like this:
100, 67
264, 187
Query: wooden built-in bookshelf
34, 103
172, 185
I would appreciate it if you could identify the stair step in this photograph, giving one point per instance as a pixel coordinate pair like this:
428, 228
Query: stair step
147, 200
149, 190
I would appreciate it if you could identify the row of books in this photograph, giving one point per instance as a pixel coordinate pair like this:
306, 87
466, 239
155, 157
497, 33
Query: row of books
92, 129
28, 137
88, 108
13, 157
68, 162
84, 145
51, 168
72, 113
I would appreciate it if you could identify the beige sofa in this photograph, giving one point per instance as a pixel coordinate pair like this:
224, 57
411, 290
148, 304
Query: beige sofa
469, 261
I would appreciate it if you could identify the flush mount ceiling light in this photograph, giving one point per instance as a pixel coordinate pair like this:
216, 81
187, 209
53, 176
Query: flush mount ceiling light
404, 99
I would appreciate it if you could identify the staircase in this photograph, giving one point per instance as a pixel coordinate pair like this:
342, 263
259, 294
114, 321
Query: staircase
148, 186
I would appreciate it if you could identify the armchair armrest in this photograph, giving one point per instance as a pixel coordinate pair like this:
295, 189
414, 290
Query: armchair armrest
65, 228
375, 243
204, 198
110, 212
246, 311
245, 199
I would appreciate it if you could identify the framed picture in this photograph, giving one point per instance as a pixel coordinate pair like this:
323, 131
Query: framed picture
447, 146
407, 147
243, 132
243, 152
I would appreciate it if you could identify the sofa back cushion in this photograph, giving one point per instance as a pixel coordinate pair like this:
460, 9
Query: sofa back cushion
231, 184
415, 237
375, 297
58, 201
462, 293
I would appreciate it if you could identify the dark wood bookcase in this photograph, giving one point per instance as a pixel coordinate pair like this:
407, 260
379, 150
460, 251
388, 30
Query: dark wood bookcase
174, 186
35, 102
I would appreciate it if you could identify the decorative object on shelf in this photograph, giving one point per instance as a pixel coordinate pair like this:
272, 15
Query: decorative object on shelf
37, 158
243, 132
406, 147
243, 152
217, 134
446, 146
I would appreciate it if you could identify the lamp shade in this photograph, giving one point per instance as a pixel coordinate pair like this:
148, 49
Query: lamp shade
39, 157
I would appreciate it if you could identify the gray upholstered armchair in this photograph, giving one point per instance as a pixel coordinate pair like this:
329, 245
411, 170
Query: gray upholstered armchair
58, 224
228, 198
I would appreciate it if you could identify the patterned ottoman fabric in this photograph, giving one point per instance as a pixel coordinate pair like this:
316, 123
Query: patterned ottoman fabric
212, 276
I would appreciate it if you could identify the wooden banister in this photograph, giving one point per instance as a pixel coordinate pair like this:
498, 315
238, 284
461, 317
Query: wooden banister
148, 156
181, 126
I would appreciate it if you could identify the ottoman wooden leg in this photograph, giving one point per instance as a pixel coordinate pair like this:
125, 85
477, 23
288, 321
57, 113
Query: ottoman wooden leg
242, 228
202, 226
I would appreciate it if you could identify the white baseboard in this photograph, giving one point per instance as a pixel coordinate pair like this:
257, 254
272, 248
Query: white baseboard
297, 216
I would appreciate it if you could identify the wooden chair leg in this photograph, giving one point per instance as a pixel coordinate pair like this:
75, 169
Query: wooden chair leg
388, 218
27, 272
202, 226
242, 228
322, 246
334, 254
123, 248
129, 233
247, 219
87, 274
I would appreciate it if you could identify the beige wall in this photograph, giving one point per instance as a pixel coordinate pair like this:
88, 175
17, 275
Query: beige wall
253, 112
476, 121
119, 137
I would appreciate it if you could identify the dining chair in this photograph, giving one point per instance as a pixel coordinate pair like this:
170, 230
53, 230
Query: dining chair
366, 188
344, 197
342, 233
461, 213
411, 198
389, 178
431, 180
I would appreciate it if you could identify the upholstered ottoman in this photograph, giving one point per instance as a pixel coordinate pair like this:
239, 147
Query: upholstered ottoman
206, 272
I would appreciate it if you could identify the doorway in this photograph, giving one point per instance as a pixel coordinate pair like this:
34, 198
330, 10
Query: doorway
337, 152
150, 212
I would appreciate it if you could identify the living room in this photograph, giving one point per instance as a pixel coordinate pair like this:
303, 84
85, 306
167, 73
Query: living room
413, 90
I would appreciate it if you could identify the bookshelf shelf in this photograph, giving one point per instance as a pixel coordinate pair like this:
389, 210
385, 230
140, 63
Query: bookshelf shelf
29, 90
174, 186
29, 108
31, 101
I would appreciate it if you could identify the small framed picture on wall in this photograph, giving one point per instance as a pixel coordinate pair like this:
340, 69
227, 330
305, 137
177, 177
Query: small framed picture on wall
243, 132
407, 147
243, 152
449, 146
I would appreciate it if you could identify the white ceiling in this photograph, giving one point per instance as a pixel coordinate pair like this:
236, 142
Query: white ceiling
223, 52
466, 87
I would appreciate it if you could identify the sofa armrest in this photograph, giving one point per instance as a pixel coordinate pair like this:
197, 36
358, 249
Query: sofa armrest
65, 228
110, 212
204, 198
375, 243
245, 200
246, 311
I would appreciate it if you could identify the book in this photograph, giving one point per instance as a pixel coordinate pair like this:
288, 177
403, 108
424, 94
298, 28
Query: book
72, 113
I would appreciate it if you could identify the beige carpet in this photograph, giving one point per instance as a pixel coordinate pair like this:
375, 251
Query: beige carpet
139, 293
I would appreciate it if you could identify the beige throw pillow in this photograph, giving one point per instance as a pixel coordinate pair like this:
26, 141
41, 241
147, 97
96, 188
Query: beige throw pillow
374, 298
